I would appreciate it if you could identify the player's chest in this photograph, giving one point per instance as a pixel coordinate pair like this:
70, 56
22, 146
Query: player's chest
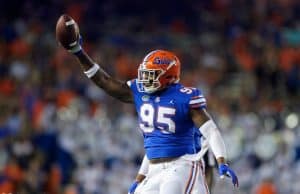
160, 113
157, 102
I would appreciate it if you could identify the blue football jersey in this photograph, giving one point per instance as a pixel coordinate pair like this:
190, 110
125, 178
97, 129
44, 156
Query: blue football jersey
164, 118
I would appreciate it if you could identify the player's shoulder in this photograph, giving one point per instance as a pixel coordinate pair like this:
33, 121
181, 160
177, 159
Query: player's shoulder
193, 96
132, 84
188, 92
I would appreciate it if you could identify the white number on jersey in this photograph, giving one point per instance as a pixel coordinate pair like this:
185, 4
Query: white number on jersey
161, 116
147, 118
186, 90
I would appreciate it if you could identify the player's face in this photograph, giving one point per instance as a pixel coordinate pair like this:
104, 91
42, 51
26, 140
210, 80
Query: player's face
150, 79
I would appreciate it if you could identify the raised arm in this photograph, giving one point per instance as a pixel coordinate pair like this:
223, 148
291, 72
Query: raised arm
110, 85
67, 33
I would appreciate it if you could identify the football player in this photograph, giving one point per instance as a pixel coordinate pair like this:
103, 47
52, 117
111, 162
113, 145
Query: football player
168, 114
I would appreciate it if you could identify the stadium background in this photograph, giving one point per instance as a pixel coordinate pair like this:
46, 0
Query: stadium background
59, 134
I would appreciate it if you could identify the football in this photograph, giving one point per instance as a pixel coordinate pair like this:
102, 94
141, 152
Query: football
67, 31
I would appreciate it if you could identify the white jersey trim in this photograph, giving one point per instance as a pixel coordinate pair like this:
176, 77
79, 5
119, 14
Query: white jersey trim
198, 100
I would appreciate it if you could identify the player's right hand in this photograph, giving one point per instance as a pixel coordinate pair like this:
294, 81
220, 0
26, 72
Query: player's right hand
133, 187
67, 33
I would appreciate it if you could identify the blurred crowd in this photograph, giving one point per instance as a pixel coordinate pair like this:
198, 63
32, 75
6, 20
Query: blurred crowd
60, 134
